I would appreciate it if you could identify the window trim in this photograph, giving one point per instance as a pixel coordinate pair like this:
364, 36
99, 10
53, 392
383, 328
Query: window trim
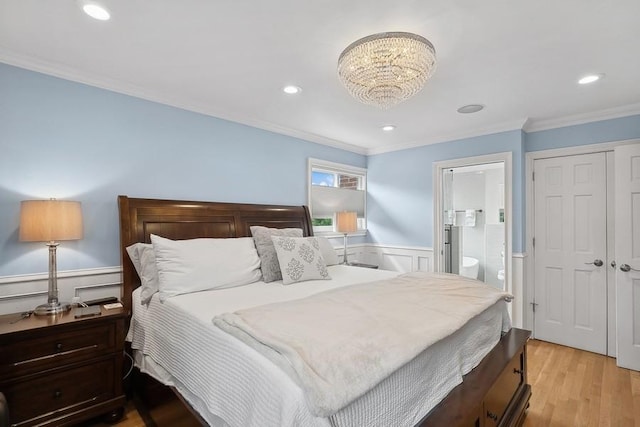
327, 166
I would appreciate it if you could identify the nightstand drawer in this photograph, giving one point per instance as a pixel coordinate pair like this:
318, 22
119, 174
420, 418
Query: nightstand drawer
59, 370
54, 349
50, 395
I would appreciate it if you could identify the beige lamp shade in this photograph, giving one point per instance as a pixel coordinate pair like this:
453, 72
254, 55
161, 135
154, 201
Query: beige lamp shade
347, 222
50, 220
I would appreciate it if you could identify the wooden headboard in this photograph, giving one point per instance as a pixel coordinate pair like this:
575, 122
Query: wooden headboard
178, 219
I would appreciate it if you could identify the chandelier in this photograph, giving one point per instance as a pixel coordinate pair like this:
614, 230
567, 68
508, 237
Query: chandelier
387, 68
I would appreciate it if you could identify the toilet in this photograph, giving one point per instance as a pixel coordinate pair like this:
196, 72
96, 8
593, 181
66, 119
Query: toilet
469, 267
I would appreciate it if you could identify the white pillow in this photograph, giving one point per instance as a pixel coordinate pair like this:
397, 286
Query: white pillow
144, 261
300, 259
193, 265
328, 253
134, 254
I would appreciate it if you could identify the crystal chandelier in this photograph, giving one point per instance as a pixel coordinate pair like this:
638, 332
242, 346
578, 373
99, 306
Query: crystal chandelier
387, 68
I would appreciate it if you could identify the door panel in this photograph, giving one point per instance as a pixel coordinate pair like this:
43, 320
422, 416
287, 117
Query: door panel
627, 206
582, 304
553, 295
570, 233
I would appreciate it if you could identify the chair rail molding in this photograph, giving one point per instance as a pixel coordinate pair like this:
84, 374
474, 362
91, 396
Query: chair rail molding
24, 292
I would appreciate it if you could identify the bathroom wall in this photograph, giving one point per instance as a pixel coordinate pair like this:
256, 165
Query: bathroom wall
481, 188
494, 232
469, 193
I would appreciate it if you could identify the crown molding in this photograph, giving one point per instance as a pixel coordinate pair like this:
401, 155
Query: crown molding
66, 73
481, 131
579, 119
526, 124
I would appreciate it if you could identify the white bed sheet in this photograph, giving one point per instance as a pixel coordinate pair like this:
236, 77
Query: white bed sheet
230, 384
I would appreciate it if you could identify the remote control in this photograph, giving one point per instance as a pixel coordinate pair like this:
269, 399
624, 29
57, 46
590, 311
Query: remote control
101, 301
112, 305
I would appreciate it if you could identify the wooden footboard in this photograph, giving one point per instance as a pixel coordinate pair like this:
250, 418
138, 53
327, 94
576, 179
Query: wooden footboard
495, 393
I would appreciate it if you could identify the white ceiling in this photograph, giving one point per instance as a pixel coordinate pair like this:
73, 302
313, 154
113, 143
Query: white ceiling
231, 58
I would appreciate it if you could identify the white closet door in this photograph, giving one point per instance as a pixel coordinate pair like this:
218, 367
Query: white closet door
627, 182
570, 251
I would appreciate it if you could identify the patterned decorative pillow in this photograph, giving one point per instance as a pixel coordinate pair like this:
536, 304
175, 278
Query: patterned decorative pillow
267, 253
300, 259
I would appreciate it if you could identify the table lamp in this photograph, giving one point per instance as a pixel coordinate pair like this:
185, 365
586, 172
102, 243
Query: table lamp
347, 222
50, 221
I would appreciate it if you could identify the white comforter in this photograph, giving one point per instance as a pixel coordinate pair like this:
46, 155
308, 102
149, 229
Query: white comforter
339, 344
230, 384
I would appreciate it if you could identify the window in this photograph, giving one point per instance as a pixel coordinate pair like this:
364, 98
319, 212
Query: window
334, 187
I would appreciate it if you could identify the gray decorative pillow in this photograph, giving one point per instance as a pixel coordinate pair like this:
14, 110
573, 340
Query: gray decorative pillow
267, 253
300, 259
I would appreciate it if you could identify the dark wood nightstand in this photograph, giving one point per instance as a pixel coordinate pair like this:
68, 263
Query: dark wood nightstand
59, 370
362, 264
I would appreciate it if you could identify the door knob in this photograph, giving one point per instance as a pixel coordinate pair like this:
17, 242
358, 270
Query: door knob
627, 267
596, 262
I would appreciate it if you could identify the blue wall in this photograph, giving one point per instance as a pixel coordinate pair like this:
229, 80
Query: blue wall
400, 183
71, 141
588, 133
67, 140
400, 186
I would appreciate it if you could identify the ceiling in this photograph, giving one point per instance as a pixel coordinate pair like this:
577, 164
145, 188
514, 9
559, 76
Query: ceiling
231, 59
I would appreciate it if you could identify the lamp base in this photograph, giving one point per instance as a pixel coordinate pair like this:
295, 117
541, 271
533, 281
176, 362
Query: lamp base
345, 261
51, 309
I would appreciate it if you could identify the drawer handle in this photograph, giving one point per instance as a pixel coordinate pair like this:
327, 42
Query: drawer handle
57, 394
517, 371
59, 346
492, 416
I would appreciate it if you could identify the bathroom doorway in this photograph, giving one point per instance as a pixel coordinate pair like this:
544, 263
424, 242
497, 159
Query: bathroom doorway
472, 231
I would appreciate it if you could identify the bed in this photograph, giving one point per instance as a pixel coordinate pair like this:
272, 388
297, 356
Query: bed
494, 393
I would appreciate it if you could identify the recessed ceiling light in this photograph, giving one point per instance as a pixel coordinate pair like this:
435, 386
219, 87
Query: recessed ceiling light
471, 108
388, 128
96, 11
590, 79
291, 90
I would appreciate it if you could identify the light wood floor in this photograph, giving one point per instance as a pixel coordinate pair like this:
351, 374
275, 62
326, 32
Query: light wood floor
576, 388
570, 388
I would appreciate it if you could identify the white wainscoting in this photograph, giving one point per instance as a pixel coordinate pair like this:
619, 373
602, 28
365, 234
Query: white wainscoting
396, 258
520, 303
25, 292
